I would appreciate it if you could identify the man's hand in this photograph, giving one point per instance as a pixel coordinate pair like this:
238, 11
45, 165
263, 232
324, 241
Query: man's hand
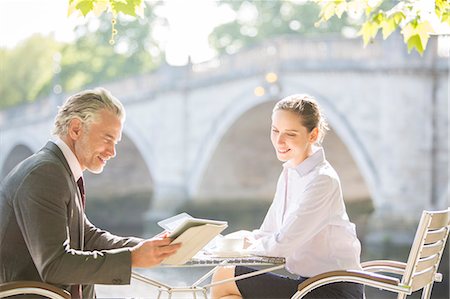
151, 252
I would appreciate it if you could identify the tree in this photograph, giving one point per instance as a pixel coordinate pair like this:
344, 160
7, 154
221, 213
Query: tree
416, 19
259, 20
33, 68
133, 52
128, 7
98, 7
25, 70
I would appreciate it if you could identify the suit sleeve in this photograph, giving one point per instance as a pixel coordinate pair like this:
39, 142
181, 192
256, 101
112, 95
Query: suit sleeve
41, 208
98, 239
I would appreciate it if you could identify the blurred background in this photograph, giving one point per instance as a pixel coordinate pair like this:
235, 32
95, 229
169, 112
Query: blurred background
199, 80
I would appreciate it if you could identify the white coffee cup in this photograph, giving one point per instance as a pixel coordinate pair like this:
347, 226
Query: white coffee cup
230, 244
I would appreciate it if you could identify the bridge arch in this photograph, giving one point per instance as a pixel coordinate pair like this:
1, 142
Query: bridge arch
244, 103
129, 173
134, 133
239, 106
17, 151
126, 185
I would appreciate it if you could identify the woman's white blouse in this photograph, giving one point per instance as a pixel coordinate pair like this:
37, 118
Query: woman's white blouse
307, 223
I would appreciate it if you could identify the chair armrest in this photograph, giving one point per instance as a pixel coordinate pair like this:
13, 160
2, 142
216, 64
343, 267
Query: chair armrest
350, 274
32, 287
386, 266
361, 277
387, 263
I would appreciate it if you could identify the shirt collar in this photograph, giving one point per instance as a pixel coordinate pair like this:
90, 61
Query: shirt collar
70, 157
309, 163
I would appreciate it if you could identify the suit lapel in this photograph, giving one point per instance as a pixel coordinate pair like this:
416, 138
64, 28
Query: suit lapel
77, 198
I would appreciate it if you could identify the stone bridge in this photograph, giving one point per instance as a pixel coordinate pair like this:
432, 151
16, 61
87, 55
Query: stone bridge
200, 132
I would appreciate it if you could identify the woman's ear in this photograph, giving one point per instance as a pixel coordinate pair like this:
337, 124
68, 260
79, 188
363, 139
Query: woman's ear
75, 129
314, 135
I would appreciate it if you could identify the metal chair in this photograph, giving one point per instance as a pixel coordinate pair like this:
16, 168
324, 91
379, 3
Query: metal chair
418, 273
32, 288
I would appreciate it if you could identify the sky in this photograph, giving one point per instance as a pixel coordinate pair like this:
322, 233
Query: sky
190, 21
190, 24
21, 18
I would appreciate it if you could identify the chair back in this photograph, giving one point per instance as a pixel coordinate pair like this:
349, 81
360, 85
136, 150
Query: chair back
427, 249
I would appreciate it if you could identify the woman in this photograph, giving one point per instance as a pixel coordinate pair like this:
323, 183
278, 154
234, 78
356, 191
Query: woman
307, 223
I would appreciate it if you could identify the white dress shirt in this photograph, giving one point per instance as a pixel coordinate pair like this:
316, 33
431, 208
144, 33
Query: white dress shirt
70, 157
307, 223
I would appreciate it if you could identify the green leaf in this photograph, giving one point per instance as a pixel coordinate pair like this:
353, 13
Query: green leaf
128, 7
415, 42
442, 10
85, 6
446, 18
398, 17
368, 10
368, 31
340, 9
388, 26
379, 17
328, 10
409, 30
424, 29
100, 6
71, 9
441, 7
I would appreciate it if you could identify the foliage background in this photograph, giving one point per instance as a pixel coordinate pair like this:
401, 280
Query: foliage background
41, 65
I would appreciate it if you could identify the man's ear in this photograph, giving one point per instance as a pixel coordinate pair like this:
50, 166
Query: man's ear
75, 129
314, 135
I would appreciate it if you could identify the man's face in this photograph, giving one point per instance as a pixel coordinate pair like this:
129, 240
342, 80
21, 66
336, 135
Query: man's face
97, 141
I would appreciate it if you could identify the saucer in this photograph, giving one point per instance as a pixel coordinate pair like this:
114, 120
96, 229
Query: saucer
219, 253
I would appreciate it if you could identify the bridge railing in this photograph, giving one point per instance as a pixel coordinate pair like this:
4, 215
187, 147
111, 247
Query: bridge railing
282, 54
288, 53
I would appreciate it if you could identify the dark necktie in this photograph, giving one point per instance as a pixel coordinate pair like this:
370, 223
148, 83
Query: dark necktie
76, 290
80, 184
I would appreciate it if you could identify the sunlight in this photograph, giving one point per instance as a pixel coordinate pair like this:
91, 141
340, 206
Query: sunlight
19, 19
190, 23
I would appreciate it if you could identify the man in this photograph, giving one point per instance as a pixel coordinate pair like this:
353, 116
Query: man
44, 232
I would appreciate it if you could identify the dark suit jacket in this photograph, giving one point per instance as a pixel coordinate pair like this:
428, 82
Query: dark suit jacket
44, 234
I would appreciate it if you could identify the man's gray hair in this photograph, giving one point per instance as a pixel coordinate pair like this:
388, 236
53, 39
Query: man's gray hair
86, 106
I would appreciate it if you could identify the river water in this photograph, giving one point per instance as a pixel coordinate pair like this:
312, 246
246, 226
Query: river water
248, 216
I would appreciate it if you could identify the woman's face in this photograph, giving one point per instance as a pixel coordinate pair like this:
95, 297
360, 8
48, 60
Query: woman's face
291, 140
